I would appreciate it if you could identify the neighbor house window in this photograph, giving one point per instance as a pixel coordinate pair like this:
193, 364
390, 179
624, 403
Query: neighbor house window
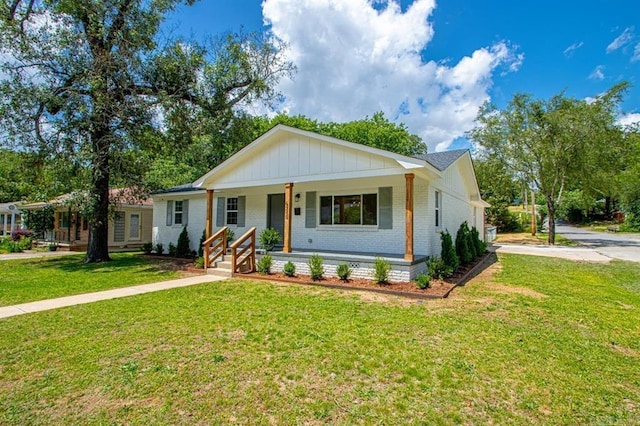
438, 205
232, 211
63, 219
358, 209
178, 209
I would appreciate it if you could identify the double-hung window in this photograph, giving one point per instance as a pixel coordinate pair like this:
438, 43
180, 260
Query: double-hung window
357, 209
178, 210
232, 211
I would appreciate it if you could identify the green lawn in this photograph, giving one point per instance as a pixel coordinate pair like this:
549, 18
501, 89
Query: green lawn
544, 341
44, 278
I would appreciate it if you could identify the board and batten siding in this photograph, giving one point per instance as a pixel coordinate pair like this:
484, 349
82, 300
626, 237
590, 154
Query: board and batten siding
301, 158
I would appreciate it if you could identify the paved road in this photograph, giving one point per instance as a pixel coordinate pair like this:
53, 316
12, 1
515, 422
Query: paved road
582, 254
616, 246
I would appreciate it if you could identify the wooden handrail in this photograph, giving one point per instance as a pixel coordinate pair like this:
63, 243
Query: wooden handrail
213, 251
251, 257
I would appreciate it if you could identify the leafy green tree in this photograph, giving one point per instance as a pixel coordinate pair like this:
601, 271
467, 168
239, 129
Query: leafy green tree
85, 80
549, 142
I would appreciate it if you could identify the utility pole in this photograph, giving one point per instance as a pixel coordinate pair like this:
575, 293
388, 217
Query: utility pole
533, 213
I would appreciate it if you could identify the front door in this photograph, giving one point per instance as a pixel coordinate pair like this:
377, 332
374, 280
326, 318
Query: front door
275, 213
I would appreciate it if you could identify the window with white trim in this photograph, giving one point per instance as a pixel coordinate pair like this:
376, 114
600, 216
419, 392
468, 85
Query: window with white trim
178, 209
232, 211
438, 208
358, 209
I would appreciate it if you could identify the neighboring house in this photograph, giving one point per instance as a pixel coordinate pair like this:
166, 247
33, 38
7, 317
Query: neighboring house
129, 224
346, 201
10, 218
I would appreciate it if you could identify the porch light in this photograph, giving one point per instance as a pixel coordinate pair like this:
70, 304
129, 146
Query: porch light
297, 197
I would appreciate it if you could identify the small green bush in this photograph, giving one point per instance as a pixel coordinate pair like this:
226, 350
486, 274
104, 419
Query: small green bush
479, 244
436, 268
269, 238
449, 256
343, 271
159, 248
173, 250
25, 243
203, 238
289, 269
463, 250
423, 281
147, 247
316, 268
264, 264
230, 235
14, 247
199, 262
381, 270
183, 249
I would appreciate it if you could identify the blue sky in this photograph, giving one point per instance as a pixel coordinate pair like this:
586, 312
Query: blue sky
431, 64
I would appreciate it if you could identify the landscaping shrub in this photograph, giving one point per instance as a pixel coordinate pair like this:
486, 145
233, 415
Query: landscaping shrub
269, 238
436, 268
423, 281
289, 269
343, 271
25, 243
463, 250
230, 235
264, 264
147, 247
478, 242
19, 234
203, 238
449, 256
183, 249
173, 250
316, 268
159, 248
381, 269
199, 262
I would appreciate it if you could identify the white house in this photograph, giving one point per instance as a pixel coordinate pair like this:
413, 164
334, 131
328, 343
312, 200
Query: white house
345, 201
10, 218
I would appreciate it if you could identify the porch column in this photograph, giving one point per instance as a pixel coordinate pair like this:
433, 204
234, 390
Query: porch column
4, 226
209, 221
408, 251
288, 199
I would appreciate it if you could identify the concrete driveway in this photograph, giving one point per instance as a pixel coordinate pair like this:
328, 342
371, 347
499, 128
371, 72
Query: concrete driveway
615, 246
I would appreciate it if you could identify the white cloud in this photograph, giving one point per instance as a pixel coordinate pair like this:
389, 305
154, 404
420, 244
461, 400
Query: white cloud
623, 39
355, 59
568, 52
629, 119
597, 73
636, 53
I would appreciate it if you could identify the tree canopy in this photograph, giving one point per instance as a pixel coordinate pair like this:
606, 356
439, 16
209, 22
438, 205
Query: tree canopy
85, 80
553, 143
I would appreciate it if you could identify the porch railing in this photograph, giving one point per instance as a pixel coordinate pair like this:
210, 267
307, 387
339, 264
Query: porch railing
215, 246
243, 252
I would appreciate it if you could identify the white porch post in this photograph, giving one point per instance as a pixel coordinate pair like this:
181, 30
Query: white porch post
4, 227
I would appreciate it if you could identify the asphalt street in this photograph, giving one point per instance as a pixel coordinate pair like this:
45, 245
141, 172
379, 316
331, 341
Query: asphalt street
610, 244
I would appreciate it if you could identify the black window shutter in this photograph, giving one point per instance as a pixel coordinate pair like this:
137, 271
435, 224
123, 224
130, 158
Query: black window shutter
385, 203
220, 211
169, 212
310, 211
242, 201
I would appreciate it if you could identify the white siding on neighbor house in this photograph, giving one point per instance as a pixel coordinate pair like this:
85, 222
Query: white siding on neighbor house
195, 225
300, 158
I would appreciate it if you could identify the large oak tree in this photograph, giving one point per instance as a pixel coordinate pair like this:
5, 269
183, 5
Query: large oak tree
82, 80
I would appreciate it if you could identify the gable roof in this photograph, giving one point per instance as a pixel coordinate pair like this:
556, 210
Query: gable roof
442, 160
391, 159
177, 189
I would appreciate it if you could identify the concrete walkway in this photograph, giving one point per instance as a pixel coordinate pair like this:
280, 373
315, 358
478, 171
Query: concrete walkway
571, 253
81, 299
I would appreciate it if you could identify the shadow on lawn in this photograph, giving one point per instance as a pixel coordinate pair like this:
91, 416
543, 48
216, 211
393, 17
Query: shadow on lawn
476, 269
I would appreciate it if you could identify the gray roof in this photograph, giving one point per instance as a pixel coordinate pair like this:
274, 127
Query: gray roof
442, 160
180, 188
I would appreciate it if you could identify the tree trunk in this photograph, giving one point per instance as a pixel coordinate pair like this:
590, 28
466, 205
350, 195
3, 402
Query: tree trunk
98, 245
552, 221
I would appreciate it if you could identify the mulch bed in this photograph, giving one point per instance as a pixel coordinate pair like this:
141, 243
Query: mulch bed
439, 288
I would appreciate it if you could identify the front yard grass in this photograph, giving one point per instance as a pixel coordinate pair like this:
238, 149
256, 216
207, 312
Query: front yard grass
29, 280
540, 341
